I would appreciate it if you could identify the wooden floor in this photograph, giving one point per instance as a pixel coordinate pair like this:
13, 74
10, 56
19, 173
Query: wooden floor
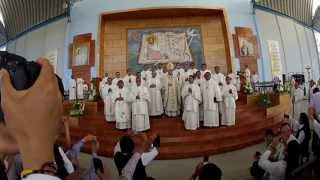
177, 143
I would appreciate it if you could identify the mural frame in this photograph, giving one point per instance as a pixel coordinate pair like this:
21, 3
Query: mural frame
203, 60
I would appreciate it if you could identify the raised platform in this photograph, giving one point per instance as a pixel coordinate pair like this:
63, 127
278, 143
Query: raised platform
176, 142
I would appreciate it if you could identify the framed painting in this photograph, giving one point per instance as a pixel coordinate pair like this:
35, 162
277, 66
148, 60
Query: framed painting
164, 45
246, 46
81, 54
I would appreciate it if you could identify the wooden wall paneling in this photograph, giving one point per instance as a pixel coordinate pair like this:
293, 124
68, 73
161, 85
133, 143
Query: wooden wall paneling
92, 53
250, 61
117, 25
101, 45
225, 32
83, 71
70, 56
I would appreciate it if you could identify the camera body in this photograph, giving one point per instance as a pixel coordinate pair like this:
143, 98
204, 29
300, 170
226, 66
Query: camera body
22, 73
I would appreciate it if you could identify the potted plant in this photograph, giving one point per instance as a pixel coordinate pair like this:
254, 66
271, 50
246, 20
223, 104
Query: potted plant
77, 109
264, 100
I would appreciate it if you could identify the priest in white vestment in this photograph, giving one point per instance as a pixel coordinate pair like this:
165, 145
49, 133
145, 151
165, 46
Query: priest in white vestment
192, 98
80, 88
145, 73
297, 101
116, 79
198, 78
121, 108
230, 96
218, 76
171, 96
211, 96
140, 115
178, 70
192, 69
107, 94
72, 88
129, 79
103, 82
204, 69
155, 105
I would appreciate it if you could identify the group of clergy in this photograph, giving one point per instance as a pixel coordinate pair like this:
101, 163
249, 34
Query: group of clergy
201, 95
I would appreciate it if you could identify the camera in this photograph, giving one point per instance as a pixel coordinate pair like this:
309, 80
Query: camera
22, 73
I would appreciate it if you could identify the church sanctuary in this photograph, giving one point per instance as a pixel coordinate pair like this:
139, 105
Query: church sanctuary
160, 89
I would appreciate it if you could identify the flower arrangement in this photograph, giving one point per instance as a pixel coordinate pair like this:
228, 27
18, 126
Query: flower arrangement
247, 88
77, 109
264, 100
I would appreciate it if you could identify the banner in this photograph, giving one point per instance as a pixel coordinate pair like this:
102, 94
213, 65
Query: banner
275, 58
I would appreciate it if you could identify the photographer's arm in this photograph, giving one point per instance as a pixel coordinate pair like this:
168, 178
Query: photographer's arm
32, 117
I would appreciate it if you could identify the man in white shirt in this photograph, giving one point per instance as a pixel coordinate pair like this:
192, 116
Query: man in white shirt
154, 85
312, 86
140, 115
131, 161
275, 169
211, 94
230, 96
192, 98
297, 101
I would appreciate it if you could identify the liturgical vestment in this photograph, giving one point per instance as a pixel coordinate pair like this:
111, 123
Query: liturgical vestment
121, 108
191, 106
211, 94
107, 94
155, 105
171, 96
140, 115
229, 103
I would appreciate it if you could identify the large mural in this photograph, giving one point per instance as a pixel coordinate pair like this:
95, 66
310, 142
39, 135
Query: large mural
164, 45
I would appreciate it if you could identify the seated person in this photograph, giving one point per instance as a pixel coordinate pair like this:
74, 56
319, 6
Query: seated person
206, 171
256, 171
96, 169
131, 164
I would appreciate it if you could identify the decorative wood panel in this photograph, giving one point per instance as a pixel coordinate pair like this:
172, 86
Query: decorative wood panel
82, 71
251, 61
114, 25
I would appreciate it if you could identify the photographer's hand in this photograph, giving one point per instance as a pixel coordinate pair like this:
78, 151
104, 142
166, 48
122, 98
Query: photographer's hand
8, 145
32, 116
